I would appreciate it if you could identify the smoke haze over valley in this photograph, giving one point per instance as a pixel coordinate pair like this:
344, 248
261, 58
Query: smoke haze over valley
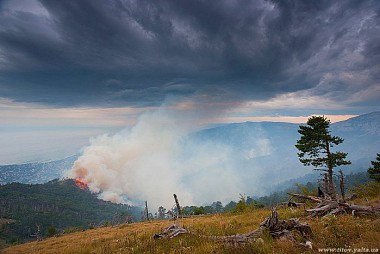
159, 156
163, 154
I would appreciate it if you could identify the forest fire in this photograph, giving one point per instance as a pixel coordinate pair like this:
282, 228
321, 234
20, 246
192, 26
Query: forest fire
82, 184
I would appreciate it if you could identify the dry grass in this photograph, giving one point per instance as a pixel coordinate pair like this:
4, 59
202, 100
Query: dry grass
340, 232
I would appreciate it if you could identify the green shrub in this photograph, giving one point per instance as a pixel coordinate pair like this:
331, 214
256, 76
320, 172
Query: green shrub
370, 189
69, 230
51, 231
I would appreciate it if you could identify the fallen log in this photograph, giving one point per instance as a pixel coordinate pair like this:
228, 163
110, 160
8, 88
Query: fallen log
330, 207
239, 238
312, 198
361, 209
170, 232
292, 204
325, 207
276, 227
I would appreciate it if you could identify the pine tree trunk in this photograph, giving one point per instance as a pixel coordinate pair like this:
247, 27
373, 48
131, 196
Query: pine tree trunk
326, 184
330, 172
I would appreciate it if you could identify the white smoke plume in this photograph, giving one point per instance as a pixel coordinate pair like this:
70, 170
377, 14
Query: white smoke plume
155, 159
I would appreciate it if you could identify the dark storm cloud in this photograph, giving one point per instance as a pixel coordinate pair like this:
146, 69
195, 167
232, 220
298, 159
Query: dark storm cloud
138, 52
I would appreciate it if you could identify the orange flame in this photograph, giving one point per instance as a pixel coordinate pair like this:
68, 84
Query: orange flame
81, 183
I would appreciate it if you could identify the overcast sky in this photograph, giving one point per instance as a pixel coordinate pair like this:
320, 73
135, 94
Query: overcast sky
78, 64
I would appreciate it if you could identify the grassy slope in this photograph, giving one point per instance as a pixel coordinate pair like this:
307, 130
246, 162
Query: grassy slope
333, 232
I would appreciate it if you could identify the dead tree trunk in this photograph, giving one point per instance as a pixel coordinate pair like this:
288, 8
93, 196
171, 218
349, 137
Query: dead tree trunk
341, 184
38, 234
177, 205
146, 211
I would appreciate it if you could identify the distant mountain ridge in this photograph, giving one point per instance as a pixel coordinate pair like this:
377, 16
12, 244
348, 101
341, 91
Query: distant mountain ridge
261, 153
268, 155
368, 123
36, 172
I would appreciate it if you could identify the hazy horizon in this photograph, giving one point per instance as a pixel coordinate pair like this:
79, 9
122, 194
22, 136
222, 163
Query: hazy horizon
44, 144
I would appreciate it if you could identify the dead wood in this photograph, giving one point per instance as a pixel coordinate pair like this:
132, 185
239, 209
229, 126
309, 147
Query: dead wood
360, 209
292, 204
312, 198
279, 227
239, 238
334, 207
341, 184
276, 227
324, 207
170, 232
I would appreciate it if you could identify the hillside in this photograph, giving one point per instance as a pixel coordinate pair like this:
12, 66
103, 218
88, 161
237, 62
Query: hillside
56, 204
37, 172
331, 232
361, 139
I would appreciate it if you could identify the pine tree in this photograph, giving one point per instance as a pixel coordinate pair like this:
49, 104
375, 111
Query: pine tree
374, 171
315, 149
